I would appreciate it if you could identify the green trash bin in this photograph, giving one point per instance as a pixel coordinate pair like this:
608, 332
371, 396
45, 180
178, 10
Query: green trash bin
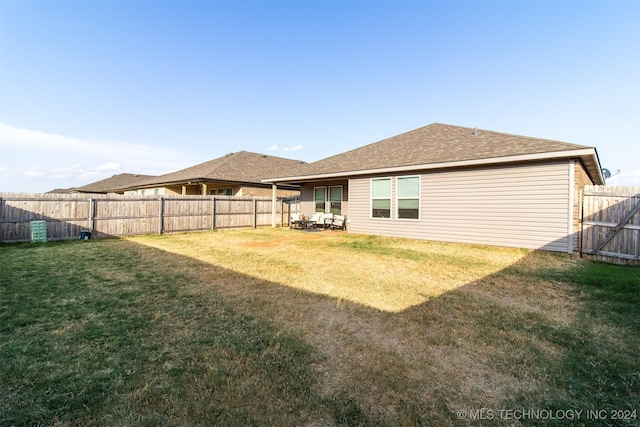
38, 231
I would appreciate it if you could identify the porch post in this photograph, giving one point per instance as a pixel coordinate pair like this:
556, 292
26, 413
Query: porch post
274, 192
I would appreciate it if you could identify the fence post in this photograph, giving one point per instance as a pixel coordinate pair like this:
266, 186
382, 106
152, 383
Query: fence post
213, 212
92, 214
255, 212
281, 212
274, 193
581, 235
160, 214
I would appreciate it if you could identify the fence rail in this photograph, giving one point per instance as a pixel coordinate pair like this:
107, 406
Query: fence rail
67, 216
611, 224
610, 227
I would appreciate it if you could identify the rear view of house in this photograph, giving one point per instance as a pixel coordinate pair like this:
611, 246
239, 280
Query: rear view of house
455, 184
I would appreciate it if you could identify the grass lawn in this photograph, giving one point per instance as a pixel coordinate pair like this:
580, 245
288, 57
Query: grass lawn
287, 328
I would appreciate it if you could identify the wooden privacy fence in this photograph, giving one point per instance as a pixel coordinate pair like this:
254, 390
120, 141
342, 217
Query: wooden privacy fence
67, 216
611, 224
610, 227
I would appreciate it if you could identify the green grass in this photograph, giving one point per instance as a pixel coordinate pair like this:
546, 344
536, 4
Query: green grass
99, 334
224, 328
602, 348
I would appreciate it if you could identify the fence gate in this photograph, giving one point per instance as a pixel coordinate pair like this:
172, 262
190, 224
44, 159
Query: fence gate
611, 223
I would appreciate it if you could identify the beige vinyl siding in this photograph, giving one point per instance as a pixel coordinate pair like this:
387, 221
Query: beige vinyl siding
306, 199
523, 206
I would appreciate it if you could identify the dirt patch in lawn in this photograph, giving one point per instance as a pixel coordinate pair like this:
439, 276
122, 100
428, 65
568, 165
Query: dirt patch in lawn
278, 242
462, 341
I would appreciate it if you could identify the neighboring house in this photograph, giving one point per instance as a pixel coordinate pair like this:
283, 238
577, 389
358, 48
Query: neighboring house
236, 174
108, 185
455, 184
61, 190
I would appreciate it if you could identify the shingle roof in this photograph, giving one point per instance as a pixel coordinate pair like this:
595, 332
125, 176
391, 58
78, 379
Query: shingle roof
433, 144
111, 184
61, 190
242, 166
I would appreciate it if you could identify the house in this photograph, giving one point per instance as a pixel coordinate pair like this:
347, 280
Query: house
455, 184
235, 174
105, 186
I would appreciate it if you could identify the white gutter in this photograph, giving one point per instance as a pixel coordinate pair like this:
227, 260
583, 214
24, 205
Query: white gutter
475, 162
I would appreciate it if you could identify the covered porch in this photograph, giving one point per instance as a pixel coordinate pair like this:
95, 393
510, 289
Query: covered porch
317, 197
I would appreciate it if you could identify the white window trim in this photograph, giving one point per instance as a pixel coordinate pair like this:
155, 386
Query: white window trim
377, 218
409, 198
325, 198
327, 203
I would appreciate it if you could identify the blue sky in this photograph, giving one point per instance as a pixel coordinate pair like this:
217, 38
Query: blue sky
89, 89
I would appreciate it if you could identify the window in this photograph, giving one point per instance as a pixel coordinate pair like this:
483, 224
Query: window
381, 198
221, 191
335, 200
319, 199
408, 191
328, 199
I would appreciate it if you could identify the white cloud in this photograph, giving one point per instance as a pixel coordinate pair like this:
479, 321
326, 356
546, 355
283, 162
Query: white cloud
23, 138
35, 171
92, 175
294, 148
274, 147
111, 166
33, 161
61, 173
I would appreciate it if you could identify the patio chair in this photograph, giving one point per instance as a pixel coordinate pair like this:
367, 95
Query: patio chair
339, 222
327, 219
316, 217
321, 220
295, 221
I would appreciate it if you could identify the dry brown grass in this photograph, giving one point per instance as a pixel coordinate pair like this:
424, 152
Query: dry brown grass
329, 264
407, 325
279, 327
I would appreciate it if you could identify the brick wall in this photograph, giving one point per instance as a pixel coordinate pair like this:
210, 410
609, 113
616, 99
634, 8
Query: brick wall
266, 192
580, 179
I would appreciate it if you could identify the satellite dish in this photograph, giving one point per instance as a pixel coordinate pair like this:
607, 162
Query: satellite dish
606, 173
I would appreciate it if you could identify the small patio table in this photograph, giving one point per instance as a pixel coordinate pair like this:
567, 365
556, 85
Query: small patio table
307, 224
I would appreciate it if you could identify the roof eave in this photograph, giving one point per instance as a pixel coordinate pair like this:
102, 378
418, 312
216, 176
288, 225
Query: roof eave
193, 181
166, 183
588, 156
